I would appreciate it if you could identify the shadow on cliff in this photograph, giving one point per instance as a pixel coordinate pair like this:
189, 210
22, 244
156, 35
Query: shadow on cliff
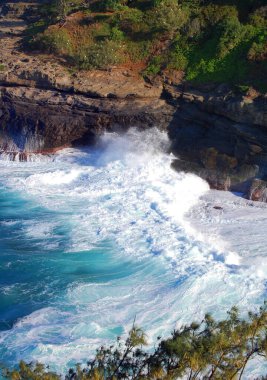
228, 155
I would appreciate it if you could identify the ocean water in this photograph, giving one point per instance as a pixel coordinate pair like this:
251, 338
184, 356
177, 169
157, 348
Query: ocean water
93, 239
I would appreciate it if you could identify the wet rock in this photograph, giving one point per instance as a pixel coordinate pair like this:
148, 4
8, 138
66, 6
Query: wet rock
215, 132
216, 179
255, 149
258, 191
238, 179
38, 120
212, 159
227, 154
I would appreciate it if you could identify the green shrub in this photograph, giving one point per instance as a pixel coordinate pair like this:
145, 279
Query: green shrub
167, 16
131, 20
138, 51
204, 350
154, 66
2, 67
259, 18
55, 40
100, 55
258, 51
33, 371
232, 34
102, 31
211, 40
110, 5
177, 57
116, 34
212, 14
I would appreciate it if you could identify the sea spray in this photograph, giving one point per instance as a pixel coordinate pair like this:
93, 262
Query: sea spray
98, 237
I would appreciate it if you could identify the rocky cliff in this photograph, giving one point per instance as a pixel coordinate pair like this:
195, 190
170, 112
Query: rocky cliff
215, 132
222, 137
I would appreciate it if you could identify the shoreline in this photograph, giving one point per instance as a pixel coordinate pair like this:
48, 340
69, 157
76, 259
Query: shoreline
178, 275
217, 131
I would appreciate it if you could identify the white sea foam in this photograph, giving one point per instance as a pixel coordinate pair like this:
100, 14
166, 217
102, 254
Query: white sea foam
39, 230
124, 191
238, 228
56, 178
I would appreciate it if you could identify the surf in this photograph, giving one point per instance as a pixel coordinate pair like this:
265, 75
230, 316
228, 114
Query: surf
95, 238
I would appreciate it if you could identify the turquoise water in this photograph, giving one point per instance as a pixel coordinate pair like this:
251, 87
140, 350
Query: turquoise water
33, 277
93, 239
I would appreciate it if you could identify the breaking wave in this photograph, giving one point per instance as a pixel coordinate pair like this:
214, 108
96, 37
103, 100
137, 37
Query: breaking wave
99, 237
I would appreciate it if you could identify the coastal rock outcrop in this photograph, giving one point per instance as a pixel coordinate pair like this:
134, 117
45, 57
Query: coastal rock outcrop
219, 146
258, 190
44, 107
37, 120
215, 132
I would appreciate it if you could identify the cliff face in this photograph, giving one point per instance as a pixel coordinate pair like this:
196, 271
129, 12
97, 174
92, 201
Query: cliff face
222, 137
223, 149
215, 133
37, 120
44, 107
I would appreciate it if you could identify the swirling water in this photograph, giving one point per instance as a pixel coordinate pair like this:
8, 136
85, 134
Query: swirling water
93, 239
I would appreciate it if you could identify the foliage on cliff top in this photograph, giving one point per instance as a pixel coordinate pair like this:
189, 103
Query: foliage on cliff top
207, 350
211, 40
